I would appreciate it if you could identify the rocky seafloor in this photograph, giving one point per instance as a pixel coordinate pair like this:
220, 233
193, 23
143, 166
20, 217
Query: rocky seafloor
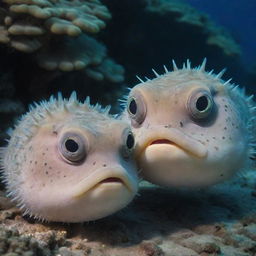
220, 220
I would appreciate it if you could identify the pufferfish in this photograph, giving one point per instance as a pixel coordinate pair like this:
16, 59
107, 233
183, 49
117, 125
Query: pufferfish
192, 129
69, 161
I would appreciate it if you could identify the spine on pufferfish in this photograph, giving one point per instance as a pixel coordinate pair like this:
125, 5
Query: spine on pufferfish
235, 91
24, 129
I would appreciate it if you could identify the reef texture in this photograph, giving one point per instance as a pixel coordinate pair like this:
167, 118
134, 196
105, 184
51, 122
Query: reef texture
40, 39
161, 30
217, 221
57, 32
185, 13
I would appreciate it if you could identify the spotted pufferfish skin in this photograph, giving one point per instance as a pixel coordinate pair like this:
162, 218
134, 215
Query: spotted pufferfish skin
69, 161
192, 129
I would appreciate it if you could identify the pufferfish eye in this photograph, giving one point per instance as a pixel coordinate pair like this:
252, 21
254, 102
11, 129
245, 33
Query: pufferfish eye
136, 108
72, 147
128, 143
132, 106
200, 104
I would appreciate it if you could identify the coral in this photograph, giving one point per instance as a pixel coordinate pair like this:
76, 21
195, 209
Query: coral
108, 69
221, 38
57, 32
140, 35
61, 17
187, 14
164, 30
13, 244
79, 53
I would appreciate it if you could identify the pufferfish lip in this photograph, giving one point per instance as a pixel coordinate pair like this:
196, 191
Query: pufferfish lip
103, 176
111, 179
162, 141
173, 137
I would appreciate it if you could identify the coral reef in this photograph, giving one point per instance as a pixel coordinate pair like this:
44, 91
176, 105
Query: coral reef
57, 32
160, 31
59, 36
184, 13
26, 23
13, 244
66, 47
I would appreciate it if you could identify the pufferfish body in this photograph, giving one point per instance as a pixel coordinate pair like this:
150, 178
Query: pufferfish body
192, 129
69, 161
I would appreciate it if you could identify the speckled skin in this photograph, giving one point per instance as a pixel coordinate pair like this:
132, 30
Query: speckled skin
180, 146
50, 182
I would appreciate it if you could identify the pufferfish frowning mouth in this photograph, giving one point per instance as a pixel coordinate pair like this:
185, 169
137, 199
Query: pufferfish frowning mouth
192, 129
161, 137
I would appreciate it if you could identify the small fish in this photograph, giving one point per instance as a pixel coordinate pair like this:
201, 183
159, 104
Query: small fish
69, 161
192, 129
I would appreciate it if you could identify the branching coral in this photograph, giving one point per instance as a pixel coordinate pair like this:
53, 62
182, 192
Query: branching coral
56, 31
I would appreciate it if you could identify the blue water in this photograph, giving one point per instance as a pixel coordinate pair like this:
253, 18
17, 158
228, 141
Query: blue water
239, 17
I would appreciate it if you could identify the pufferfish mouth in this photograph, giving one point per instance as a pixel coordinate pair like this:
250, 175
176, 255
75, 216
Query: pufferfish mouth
166, 142
104, 176
162, 141
156, 136
110, 180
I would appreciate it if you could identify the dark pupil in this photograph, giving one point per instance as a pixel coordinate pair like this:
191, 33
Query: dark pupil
133, 107
202, 103
71, 145
130, 141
